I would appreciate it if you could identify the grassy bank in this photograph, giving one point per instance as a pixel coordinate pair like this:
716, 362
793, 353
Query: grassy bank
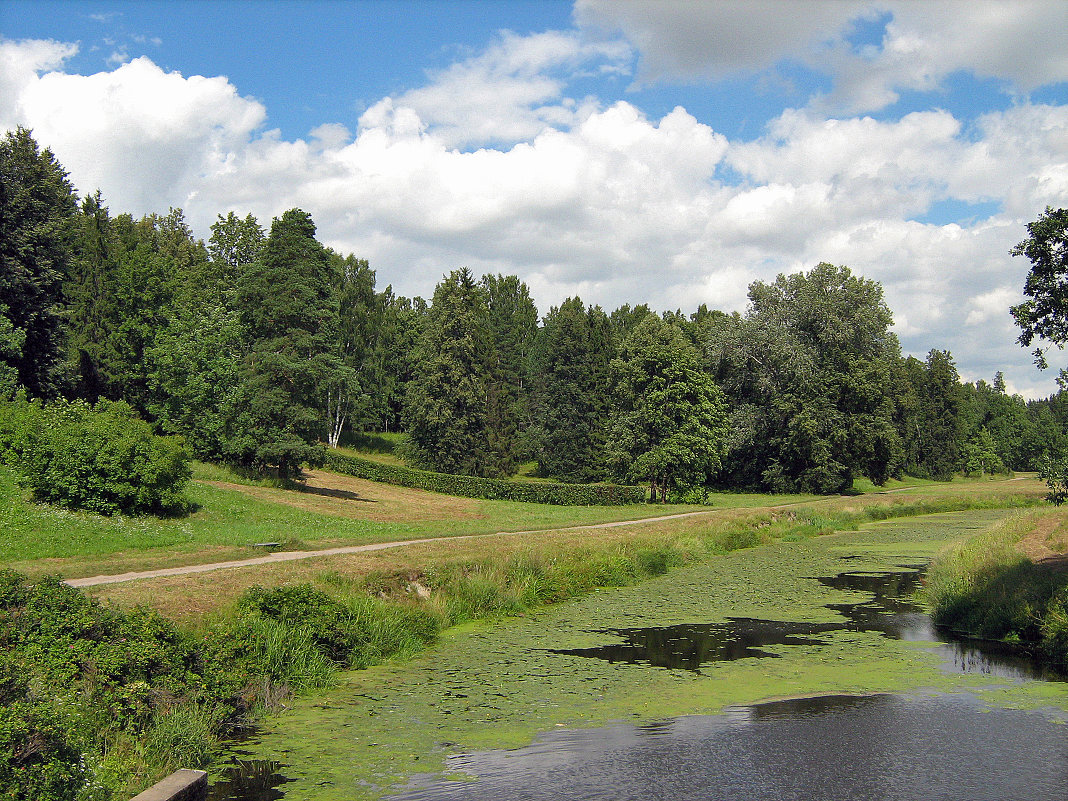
987, 586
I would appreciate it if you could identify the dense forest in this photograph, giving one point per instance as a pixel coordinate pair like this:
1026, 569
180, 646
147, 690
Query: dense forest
261, 346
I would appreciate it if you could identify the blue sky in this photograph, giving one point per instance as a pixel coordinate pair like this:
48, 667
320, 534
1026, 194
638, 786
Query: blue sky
621, 150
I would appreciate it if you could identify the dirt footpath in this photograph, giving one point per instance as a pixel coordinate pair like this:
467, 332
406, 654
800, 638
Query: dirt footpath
290, 556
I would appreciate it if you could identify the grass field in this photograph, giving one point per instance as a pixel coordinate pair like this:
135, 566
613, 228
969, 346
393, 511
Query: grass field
233, 514
394, 601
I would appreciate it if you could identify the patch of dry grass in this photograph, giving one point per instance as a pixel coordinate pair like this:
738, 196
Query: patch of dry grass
338, 495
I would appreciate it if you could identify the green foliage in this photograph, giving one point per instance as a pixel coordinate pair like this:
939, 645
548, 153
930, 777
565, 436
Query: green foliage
988, 588
103, 458
446, 402
979, 457
809, 370
511, 324
1054, 471
288, 310
130, 280
37, 212
569, 392
38, 761
487, 488
75, 676
195, 371
355, 631
930, 411
1045, 314
669, 426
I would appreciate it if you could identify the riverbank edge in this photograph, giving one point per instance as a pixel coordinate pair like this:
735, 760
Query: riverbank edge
989, 587
496, 588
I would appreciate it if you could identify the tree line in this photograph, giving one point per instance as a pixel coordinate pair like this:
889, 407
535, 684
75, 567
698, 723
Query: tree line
260, 345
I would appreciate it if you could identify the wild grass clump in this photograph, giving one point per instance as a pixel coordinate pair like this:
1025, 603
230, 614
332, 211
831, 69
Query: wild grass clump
348, 630
988, 588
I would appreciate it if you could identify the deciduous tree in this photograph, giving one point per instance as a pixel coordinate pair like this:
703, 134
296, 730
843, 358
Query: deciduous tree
670, 424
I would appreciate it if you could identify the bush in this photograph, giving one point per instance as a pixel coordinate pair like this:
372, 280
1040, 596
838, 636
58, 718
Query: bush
102, 459
355, 631
487, 488
79, 681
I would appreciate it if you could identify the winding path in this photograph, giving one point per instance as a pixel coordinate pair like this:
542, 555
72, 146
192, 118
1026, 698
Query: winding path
291, 556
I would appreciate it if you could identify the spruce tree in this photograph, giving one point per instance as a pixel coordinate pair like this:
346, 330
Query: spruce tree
446, 408
511, 324
569, 392
288, 309
37, 217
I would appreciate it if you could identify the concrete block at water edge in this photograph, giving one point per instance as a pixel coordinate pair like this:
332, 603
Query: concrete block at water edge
182, 785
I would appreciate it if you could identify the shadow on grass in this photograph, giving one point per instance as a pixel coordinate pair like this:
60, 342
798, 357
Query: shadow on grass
328, 492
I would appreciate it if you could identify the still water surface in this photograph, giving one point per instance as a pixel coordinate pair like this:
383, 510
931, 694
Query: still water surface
873, 747
830, 747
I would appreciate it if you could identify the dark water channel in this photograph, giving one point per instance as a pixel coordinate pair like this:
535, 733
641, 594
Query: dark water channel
830, 747
890, 748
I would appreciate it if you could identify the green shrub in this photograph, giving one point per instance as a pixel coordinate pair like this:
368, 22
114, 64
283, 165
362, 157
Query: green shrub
487, 488
19, 420
102, 459
37, 760
355, 631
79, 680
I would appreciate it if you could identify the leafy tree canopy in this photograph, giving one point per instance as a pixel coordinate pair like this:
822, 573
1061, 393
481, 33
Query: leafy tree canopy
670, 426
1045, 314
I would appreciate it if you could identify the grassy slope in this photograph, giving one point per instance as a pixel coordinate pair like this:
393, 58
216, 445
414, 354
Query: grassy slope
229, 520
235, 513
990, 587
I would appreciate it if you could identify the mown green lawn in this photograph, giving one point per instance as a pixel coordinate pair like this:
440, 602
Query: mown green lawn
228, 522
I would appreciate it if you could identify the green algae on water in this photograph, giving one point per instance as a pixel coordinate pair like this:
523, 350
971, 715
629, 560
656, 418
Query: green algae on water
497, 685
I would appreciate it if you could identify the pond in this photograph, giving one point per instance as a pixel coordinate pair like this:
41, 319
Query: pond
831, 746
897, 709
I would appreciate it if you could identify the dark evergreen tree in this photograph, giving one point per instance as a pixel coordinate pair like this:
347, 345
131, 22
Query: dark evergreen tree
401, 331
288, 310
569, 399
446, 408
511, 324
38, 210
355, 398
938, 430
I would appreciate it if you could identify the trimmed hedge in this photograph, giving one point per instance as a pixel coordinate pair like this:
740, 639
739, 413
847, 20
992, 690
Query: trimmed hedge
494, 489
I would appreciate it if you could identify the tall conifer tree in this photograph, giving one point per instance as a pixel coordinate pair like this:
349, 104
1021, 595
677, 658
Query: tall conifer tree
288, 309
37, 218
446, 405
569, 392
